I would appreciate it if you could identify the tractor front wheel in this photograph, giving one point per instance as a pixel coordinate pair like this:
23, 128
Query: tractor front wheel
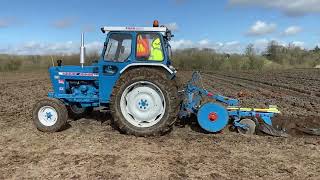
50, 115
144, 102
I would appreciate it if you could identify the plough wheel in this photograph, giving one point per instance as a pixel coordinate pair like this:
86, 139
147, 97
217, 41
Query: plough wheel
250, 127
212, 117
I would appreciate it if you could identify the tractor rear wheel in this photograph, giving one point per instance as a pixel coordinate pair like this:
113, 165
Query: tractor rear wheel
144, 102
50, 115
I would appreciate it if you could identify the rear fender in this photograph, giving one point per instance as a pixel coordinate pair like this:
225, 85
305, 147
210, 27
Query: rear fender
170, 70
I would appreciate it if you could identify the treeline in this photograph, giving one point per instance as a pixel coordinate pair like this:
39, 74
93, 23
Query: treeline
275, 57
38, 62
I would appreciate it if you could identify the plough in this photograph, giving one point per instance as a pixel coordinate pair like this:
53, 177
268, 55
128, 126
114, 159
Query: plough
214, 117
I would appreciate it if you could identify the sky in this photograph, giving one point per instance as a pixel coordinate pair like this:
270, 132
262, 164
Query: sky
54, 27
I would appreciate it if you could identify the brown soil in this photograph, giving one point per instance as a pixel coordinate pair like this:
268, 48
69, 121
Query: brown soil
91, 149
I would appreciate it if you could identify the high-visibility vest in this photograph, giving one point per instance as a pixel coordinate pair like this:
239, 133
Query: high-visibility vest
142, 47
156, 51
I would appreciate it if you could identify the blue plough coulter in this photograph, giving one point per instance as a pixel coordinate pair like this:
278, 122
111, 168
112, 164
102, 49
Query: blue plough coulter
214, 117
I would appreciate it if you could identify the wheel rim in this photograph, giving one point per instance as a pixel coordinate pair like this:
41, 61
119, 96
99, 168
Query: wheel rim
143, 104
47, 115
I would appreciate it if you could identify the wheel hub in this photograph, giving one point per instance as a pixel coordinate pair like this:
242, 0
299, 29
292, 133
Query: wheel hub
47, 115
143, 104
213, 116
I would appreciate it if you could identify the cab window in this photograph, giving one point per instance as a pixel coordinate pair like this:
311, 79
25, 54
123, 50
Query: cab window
149, 47
118, 47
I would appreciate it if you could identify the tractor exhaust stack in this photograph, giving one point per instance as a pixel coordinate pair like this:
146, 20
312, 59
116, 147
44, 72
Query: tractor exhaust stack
82, 50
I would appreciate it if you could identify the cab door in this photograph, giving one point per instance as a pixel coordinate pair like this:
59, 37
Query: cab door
116, 55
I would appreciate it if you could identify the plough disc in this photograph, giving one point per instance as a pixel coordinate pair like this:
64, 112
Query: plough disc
212, 117
250, 127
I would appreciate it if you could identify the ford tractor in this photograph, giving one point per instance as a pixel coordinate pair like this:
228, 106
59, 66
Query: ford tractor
133, 78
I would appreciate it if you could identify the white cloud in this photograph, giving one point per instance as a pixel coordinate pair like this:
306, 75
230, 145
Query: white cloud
172, 26
227, 47
204, 42
260, 45
288, 7
298, 44
232, 43
70, 47
261, 28
95, 46
41, 48
232, 47
181, 44
292, 30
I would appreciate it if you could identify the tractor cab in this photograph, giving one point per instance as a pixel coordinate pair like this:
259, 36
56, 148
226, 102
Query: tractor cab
137, 45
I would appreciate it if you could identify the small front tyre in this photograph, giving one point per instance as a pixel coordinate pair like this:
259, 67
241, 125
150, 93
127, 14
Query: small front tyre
50, 115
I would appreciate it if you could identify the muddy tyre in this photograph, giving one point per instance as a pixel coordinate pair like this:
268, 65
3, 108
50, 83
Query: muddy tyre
144, 102
50, 115
76, 112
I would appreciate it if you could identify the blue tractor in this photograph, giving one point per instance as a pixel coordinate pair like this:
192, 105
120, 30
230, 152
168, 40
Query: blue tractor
133, 78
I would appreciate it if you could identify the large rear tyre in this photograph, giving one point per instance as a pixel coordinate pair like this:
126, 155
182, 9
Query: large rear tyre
50, 115
144, 102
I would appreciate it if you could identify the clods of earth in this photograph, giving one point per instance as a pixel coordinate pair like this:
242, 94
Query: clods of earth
90, 148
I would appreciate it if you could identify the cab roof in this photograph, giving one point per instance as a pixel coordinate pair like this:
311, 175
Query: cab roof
139, 29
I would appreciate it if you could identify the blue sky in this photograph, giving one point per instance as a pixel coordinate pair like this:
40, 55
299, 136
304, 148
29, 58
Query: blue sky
43, 26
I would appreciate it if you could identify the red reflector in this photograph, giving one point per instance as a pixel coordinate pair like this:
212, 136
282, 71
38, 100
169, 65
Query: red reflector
213, 116
210, 94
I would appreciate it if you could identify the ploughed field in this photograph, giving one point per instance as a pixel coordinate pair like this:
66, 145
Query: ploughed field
90, 148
